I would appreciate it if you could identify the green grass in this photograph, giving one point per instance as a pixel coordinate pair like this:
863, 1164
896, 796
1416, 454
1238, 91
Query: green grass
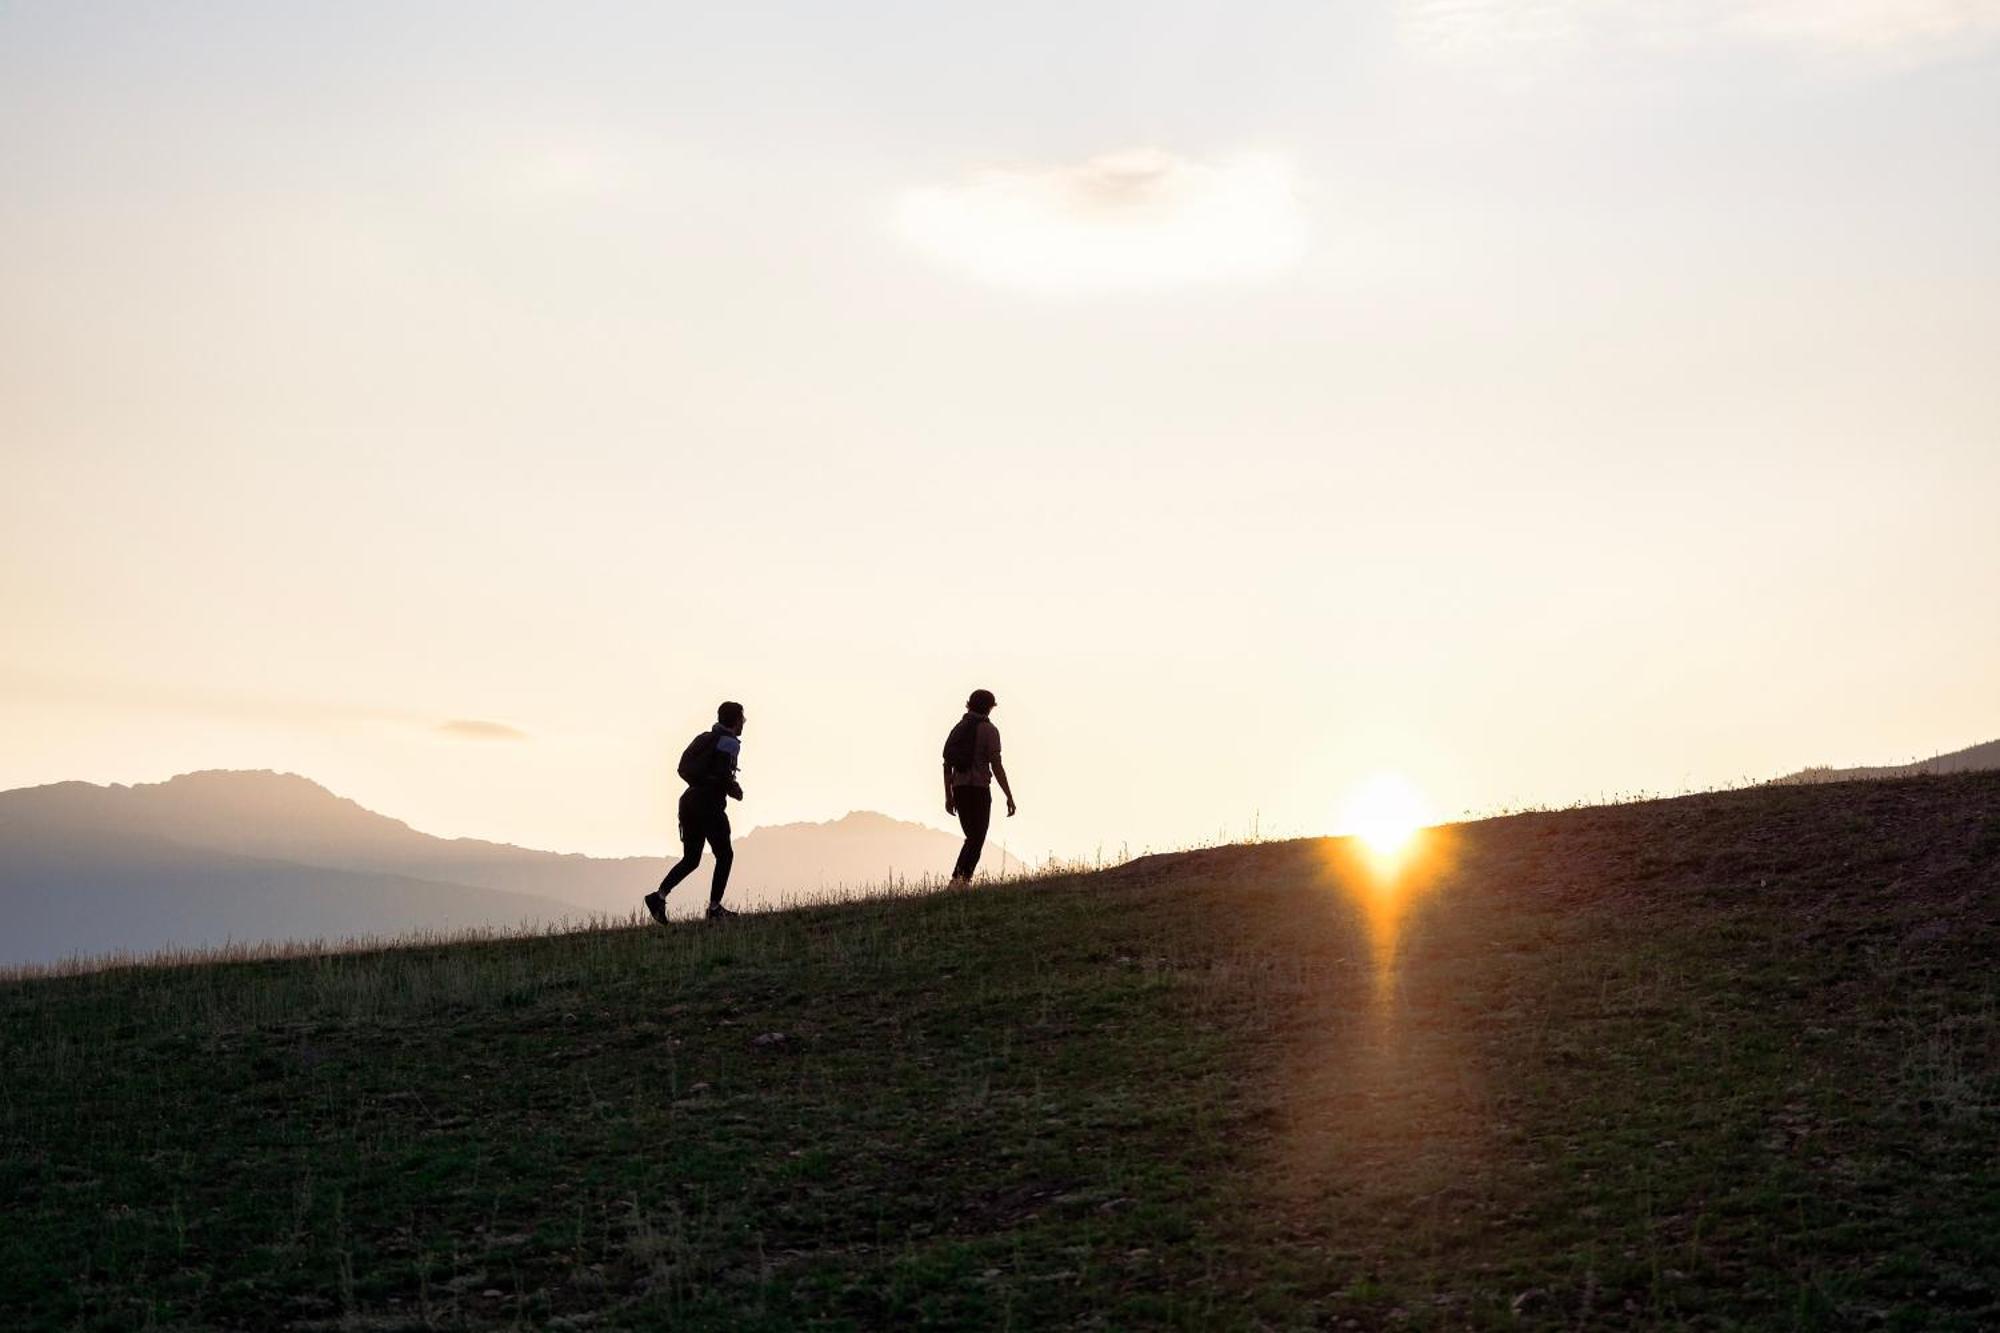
1722, 1062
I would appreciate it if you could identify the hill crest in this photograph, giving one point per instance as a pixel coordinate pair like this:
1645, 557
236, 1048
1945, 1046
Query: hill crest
1973, 759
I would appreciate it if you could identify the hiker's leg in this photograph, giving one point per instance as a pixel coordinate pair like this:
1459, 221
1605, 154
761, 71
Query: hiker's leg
690, 858
975, 813
725, 856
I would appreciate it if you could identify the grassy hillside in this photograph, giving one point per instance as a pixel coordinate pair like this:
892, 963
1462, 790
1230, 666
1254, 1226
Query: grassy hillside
1729, 1061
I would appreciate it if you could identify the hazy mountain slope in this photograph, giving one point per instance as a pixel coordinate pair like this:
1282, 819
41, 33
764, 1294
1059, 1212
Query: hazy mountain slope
308, 844
1975, 759
63, 896
291, 818
861, 849
256, 813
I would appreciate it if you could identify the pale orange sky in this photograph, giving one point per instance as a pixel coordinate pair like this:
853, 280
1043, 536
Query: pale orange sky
1538, 403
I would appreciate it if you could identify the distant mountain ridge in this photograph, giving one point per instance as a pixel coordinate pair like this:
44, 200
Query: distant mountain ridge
255, 855
1973, 759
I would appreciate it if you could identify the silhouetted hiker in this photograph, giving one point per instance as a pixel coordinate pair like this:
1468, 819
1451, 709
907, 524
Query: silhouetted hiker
971, 765
708, 766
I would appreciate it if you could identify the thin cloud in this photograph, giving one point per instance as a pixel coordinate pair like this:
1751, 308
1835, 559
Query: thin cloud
1889, 26
474, 729
1134, 219
168, 698
568, 169
1897, 32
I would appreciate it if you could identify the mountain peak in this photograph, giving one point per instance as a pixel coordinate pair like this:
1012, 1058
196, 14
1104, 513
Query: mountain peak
853, 823
249, 792
242, 780
242, 811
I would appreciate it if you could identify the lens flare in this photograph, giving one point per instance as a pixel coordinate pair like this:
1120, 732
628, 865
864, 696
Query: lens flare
1385, 813
1389, 864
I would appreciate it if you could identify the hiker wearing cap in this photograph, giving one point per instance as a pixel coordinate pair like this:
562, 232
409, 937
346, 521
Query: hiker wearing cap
708, 766
971, 766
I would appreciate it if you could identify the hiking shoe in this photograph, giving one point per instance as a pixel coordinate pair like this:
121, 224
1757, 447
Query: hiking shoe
718, 910
657, 905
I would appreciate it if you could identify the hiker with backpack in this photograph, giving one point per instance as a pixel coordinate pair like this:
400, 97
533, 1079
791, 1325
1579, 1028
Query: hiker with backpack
971, 766
708, 766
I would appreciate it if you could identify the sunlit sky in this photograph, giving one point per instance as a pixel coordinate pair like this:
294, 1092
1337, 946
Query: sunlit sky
1536, 400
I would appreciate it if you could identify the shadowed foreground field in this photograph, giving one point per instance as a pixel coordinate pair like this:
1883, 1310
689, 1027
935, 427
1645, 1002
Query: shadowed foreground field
1728, 1061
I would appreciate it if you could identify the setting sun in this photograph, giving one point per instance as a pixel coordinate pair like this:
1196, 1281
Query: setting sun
1385, 812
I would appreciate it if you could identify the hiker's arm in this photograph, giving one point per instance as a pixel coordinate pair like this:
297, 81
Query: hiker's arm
950, 798
1000, 776
726, 751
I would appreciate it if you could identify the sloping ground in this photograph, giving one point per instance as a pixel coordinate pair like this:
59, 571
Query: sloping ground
1974, 759
141, 895
1728, 1061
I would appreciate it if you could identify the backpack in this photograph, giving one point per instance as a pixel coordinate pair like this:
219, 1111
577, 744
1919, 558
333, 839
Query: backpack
694, 765
961, 747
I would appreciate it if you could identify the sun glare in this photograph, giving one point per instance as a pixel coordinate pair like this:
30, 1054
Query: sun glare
1385, 812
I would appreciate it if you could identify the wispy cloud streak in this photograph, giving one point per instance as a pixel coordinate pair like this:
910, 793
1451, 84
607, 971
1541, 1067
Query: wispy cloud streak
1141, 218
1897, 32
476, 729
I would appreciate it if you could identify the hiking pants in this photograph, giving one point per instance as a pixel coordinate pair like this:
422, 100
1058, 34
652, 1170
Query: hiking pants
702, 822
975, 815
